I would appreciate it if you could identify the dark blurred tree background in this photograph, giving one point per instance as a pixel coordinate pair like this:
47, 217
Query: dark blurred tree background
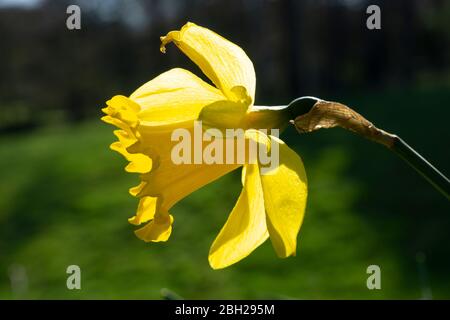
50, 74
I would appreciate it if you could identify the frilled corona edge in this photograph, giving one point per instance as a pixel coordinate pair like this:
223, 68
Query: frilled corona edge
122, 113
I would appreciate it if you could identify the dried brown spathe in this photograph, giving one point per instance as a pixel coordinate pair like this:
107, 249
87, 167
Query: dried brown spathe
328, 114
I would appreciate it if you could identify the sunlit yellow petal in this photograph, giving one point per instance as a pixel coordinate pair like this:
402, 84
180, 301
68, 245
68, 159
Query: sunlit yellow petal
173, 97
285, 193
139, 163
146, 210
122, 112
225, 63
123, 109
156, 230
245, 228
223, 115
126, 138
134, 191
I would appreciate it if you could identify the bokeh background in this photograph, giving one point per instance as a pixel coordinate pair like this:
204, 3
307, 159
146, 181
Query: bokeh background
63, 193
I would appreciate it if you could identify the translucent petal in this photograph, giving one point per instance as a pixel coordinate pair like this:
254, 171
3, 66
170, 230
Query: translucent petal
222, 61
245, 228
285, 193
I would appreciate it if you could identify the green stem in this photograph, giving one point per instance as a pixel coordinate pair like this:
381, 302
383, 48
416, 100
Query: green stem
422, 166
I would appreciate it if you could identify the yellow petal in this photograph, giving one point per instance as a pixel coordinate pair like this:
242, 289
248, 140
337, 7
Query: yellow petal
122, 113
285, 193
173, 97
139, 163
245, 228
222, 61
134, 191
146, 210
122, 109
126, 138
223, 115
156, 230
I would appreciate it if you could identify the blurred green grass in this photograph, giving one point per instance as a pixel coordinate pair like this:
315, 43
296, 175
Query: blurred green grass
64, 201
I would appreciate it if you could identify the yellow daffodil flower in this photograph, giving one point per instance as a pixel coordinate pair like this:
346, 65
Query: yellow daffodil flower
270, 205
